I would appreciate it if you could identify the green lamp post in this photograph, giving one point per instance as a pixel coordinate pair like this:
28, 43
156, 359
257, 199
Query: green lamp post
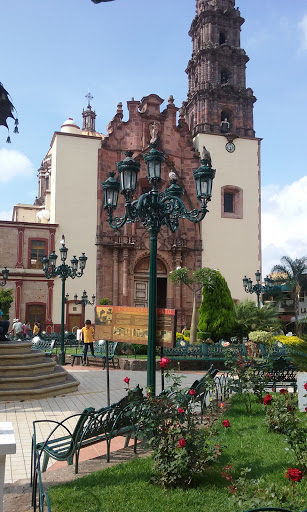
84, 301
154, 209
258, 288
5, 275
64, 271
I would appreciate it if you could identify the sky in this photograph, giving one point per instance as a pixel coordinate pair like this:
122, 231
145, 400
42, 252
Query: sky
55, 51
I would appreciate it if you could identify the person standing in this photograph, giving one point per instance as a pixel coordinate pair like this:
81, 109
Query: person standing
36, 329
4, 326
17, 329
28, 330
88, 337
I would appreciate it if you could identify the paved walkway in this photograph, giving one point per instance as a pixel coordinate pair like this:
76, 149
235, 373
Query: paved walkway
92, 392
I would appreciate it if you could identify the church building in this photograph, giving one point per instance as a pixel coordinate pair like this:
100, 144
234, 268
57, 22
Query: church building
218, 115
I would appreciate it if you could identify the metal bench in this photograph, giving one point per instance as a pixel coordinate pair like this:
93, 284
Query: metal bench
45, 345
281, 373
210, 353
92, 426
100, 351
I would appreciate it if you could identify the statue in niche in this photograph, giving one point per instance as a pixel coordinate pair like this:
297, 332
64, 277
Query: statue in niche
153, 130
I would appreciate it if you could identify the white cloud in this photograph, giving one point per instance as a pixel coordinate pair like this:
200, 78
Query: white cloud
284, 222
303, 27
12, 164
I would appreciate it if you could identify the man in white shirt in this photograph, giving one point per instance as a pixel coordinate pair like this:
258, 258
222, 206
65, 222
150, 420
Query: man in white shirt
17, 328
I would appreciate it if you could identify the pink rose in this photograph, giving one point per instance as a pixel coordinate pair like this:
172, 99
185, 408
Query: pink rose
164, 362
127, 380
192, 392
180, 410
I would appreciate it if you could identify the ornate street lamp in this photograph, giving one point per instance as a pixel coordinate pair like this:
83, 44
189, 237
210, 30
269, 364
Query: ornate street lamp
258, 288
5, 275
84, 301
64, 271
154, 209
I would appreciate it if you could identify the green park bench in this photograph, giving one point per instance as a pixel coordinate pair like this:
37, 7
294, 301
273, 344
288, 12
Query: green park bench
275, 351
204, 351
92, 426
45, 345
280, 371
100, 352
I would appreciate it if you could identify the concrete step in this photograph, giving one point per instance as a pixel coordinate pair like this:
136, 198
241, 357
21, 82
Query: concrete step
14, 347
26, 370
21, 394
33, 381
21, 359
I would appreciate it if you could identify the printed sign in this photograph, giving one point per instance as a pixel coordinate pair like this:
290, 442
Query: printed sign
130, 325
302, 392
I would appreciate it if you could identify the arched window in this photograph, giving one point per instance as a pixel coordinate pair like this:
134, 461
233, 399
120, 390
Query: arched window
231, 202
222, 38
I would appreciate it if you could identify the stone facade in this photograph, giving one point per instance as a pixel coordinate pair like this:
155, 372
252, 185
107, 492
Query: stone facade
123, 256
32, 292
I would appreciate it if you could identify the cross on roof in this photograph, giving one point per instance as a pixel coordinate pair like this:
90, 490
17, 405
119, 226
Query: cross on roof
89, 98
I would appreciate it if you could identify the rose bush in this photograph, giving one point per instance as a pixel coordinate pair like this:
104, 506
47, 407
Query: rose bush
182, 448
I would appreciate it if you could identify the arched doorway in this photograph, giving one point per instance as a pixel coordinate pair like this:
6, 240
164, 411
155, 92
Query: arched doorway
141, 284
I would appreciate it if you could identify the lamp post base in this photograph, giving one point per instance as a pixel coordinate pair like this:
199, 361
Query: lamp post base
61, 358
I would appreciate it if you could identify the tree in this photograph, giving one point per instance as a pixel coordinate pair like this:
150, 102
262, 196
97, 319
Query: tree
216, 313
194, 281
292, 273
7, 110
248, 317
6, 299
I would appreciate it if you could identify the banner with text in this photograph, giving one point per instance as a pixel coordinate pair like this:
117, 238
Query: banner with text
130, 325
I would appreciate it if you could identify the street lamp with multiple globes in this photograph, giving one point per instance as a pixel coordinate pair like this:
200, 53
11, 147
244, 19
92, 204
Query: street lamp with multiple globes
84, 301
154, 209
5, 275
258, 288
63, 271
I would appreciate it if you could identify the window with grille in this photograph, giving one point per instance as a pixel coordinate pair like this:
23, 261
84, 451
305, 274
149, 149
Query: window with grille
37, 252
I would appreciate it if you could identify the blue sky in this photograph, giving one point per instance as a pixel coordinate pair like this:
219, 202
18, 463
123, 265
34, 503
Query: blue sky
57, 50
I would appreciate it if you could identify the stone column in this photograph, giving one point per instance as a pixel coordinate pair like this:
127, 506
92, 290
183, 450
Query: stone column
125, 276
7, 446
115, 277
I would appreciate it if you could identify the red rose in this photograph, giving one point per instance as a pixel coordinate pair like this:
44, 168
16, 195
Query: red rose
221, 405
192, 392
283, 391
305, 409
182, 443
267, 400
127, 380
294, 474
305, 386
180, 410
164, 362
226, 423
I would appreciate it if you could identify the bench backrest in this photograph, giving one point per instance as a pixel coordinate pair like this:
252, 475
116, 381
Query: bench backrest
114, 417
219, 351
43, 345
100, 348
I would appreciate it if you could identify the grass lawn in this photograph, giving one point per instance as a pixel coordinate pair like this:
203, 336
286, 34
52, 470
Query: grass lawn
127, 487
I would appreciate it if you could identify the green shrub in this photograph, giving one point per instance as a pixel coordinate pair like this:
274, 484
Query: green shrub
104, 301
203, 336
259, 336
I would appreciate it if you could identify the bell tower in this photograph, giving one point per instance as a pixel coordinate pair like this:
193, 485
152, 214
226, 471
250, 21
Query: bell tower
218, 100
219, 112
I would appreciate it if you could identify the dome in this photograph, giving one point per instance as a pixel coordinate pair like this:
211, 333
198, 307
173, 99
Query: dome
70, 126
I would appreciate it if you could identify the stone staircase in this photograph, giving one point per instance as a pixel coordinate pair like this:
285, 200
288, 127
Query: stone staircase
30, 375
